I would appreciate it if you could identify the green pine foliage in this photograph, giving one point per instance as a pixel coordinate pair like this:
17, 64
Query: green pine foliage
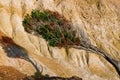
53, 27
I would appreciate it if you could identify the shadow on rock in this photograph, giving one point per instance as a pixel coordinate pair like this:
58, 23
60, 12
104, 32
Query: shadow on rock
15, 51
52, 78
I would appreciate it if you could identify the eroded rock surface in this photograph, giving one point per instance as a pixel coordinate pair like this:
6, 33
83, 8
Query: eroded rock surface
96, 21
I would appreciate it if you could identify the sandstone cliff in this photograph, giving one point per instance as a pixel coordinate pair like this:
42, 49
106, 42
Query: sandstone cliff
95, 21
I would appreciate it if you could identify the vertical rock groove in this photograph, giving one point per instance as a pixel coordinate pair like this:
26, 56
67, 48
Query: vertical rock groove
84, 45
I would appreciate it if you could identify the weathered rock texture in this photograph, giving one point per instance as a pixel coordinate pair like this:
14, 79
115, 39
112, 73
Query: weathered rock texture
95, 21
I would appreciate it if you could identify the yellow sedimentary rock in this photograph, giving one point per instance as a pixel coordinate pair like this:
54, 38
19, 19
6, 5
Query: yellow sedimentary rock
96, 21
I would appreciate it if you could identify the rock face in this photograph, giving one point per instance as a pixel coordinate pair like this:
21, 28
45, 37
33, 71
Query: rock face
95, 21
